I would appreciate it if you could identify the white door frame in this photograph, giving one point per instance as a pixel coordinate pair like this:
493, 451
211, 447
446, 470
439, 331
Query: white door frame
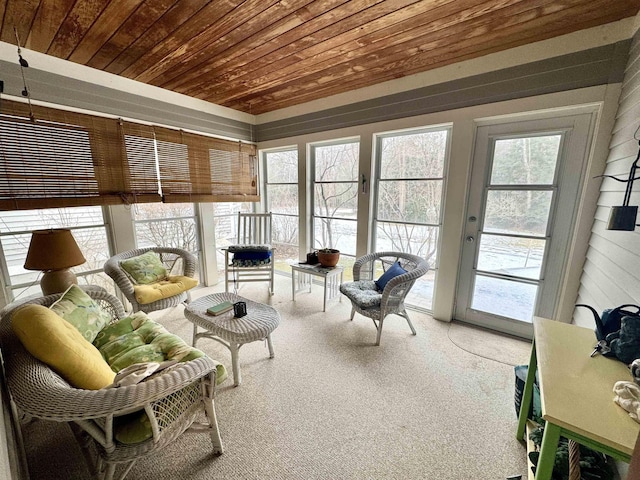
577, 132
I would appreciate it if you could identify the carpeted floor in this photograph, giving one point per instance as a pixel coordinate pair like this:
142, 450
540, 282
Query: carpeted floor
330, 405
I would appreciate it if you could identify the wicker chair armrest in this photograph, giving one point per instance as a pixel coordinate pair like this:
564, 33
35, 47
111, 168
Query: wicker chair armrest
40, 392
190, 264
114, 270
397, 288
363, 267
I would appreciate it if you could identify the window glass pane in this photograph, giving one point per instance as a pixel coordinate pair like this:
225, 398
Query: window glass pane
281, 187
506, 298
16, 221
95, 248
410, 201
160, 211
517, 212
282, 199
98, 278
411, 168
521, 257
87, 227
179, 233
336, 162
336, 200
285, 237
282, 167
421, 294
225, 219
525, 161
166, 225
333, 233
418, 155
417, 239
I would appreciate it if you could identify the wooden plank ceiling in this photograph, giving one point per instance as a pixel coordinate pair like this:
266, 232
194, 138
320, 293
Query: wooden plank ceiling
261, 55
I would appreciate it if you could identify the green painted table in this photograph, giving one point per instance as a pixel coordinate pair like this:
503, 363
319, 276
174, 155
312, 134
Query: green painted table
576, 393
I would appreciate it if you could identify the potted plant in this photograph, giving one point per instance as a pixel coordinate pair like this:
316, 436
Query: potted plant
328, 257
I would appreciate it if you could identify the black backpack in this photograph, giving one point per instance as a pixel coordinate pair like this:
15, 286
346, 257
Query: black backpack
618, 331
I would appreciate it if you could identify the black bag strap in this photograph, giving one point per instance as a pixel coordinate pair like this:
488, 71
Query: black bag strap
596, 316
622, 307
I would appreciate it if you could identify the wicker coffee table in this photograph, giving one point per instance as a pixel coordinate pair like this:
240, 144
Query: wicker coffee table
232, 332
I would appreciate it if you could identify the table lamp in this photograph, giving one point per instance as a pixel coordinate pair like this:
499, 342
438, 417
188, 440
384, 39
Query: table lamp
54, 251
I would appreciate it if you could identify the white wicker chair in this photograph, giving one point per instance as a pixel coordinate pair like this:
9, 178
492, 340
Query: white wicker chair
172, 399
254, 230
368, 301
176, 260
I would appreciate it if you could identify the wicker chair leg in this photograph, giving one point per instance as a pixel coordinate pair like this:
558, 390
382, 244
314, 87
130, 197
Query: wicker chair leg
110, 471
353, 314
406, 316
214, 433
379, 328
271, 290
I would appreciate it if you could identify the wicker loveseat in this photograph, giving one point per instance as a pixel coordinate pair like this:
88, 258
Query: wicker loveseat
171, 398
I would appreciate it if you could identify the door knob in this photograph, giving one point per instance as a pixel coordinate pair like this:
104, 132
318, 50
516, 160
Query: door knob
470, 239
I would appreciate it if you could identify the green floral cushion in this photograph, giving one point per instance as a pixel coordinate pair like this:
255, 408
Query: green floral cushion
116, 329
138, 339
144, 269
81, 311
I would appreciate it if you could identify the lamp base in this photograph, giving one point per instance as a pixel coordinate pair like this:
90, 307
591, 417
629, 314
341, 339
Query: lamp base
57, 281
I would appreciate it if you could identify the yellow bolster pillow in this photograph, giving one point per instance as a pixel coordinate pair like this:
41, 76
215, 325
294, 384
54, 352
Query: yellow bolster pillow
56, 342
173, 285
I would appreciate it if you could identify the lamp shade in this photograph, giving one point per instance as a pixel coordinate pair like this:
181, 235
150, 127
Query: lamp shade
53, 249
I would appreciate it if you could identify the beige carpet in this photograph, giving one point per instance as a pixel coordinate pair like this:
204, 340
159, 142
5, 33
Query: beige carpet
331, 405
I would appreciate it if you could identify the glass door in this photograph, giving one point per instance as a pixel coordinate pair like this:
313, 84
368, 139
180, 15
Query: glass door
524, 189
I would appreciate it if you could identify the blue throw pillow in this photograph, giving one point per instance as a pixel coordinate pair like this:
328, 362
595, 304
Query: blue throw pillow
393, 271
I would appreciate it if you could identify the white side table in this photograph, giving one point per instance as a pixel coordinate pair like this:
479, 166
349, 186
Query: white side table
332, 277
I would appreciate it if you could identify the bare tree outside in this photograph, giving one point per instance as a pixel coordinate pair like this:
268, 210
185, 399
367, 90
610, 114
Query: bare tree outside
410, 192
167, 225
335, 196
282, 202
409, 200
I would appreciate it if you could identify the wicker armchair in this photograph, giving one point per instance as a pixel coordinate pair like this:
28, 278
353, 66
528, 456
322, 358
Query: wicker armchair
173, 258
171, 398
365, 297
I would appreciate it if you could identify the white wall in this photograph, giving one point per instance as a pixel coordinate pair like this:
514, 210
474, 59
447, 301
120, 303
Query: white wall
611, 274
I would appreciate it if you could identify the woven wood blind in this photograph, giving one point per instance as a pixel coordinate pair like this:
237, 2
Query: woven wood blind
196, 168
65, 159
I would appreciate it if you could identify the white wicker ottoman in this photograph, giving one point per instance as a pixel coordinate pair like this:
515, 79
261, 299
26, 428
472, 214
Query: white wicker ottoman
232, 332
